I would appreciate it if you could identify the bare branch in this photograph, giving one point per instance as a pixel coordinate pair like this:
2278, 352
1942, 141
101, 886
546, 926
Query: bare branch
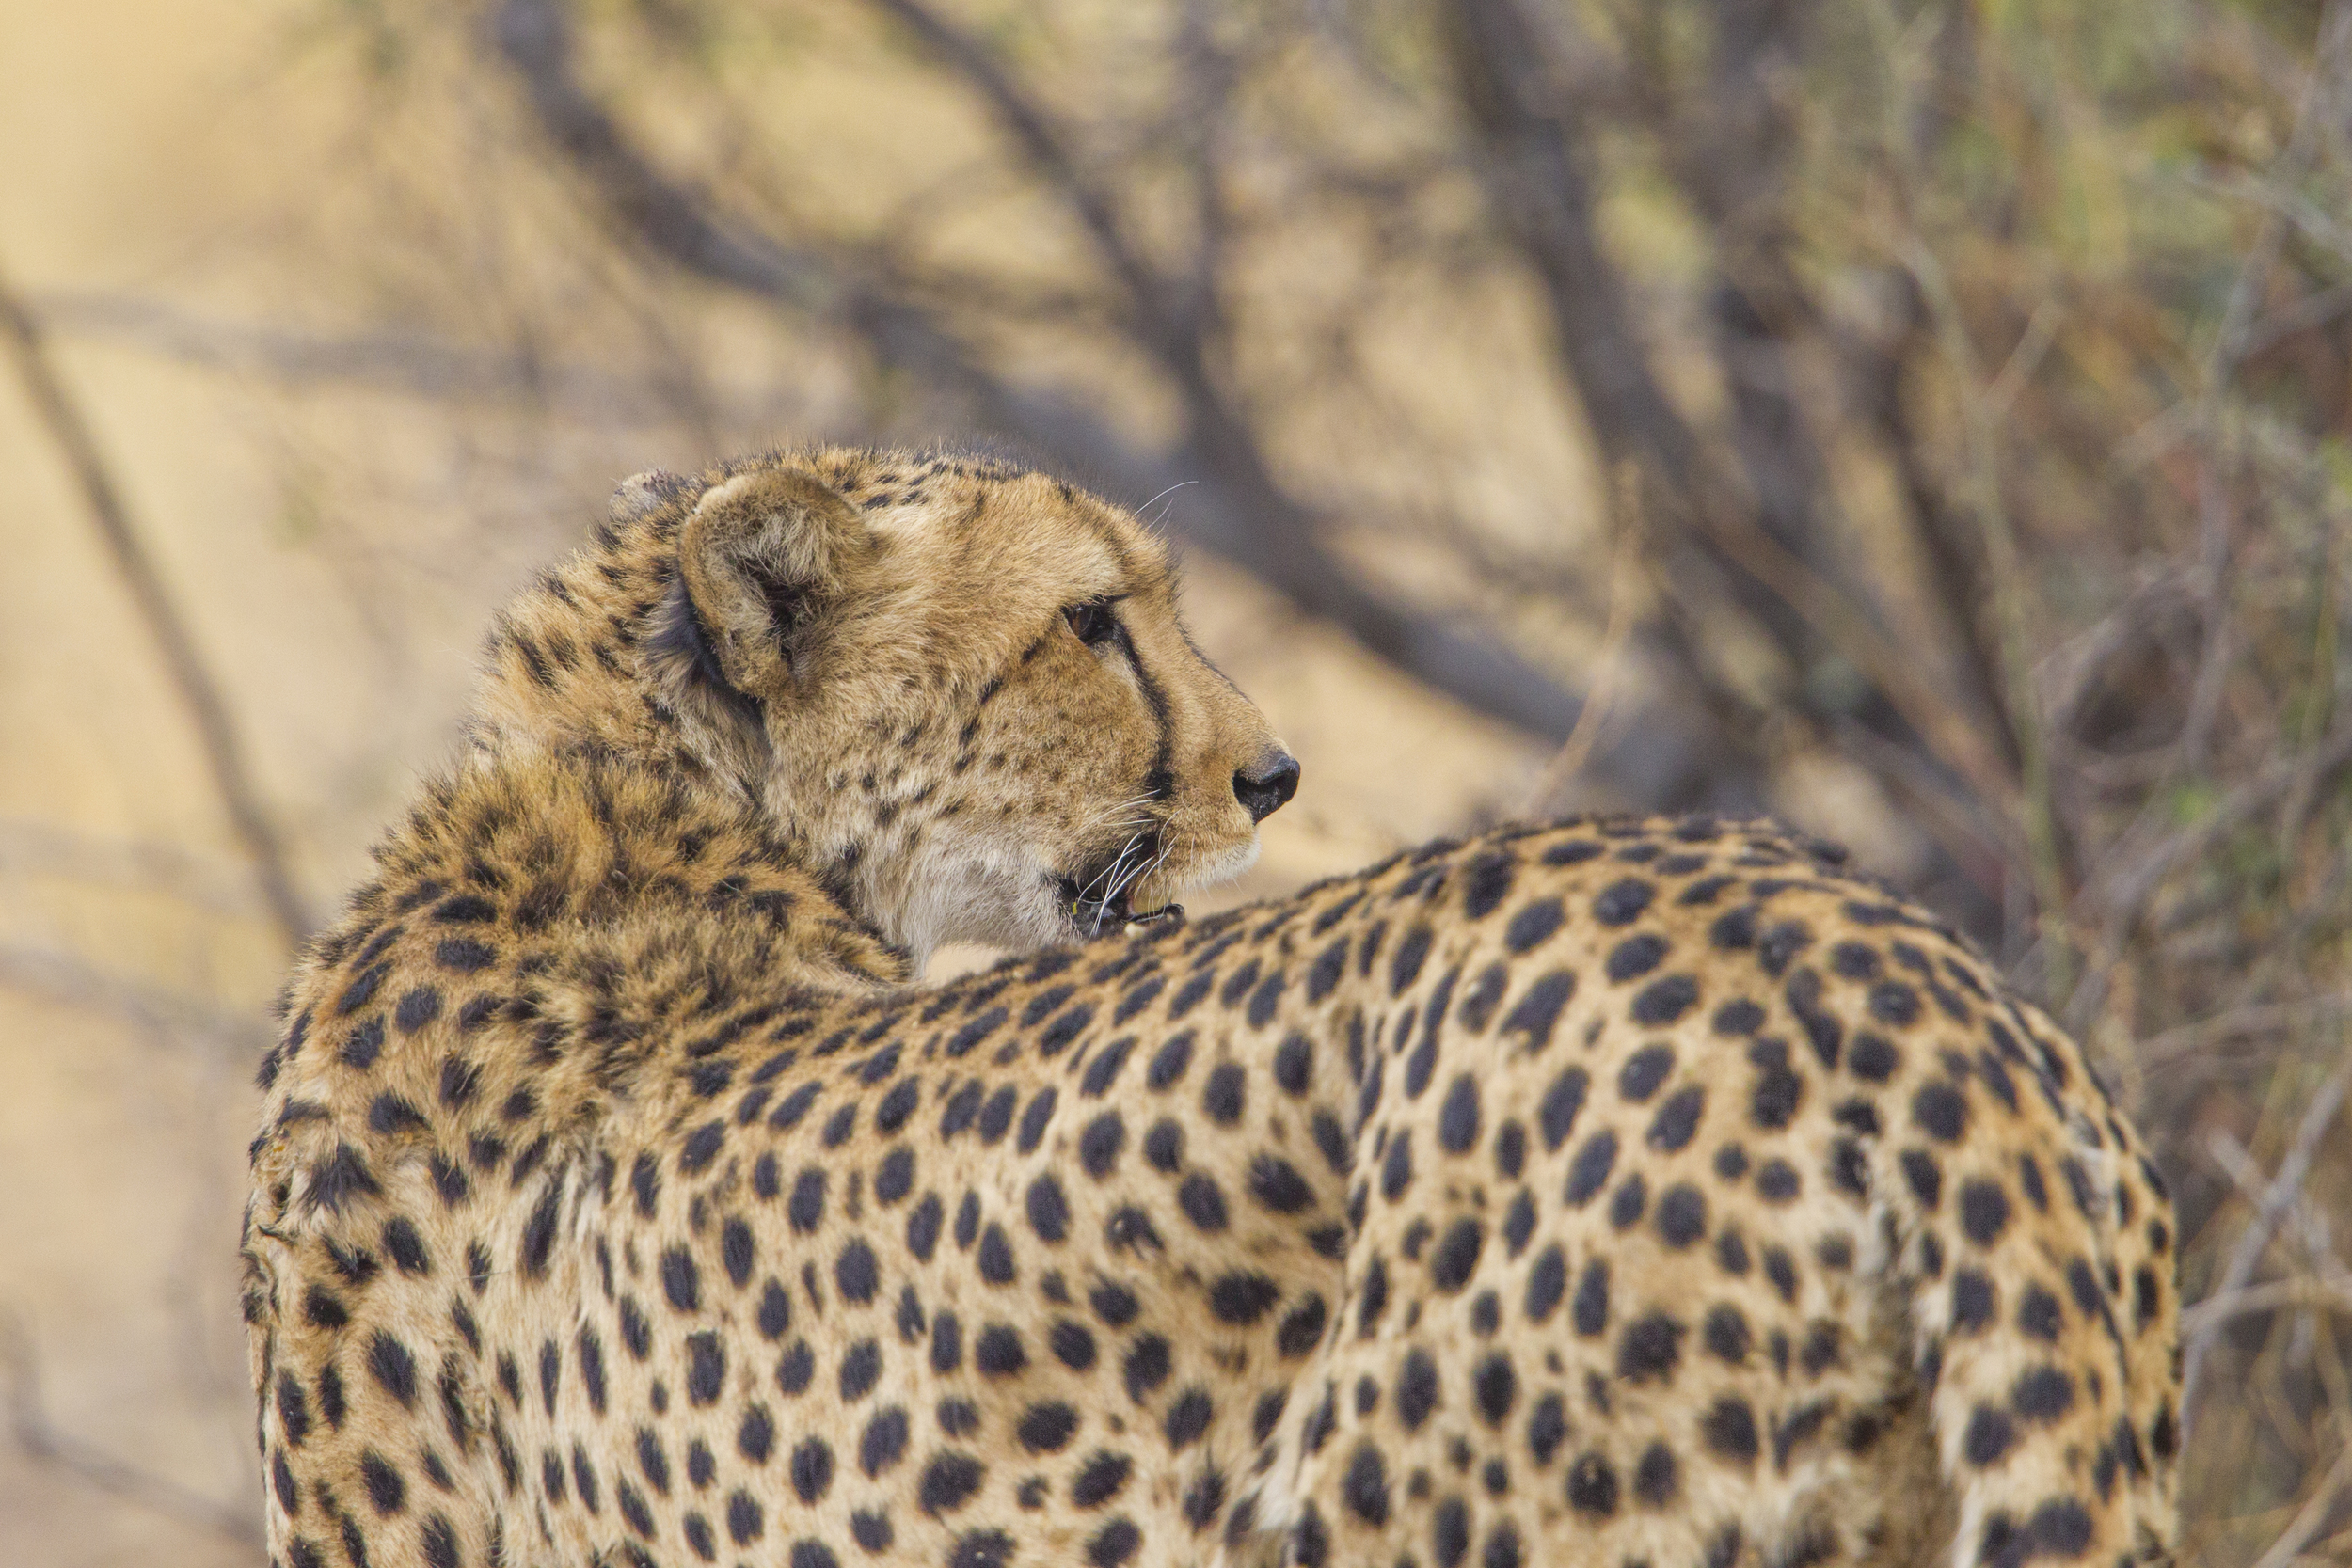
2285, 1189
414, 363
43, 849
2310, 1295
2312, 1516
191, 677
166, 1016
1712, 535
1236, 510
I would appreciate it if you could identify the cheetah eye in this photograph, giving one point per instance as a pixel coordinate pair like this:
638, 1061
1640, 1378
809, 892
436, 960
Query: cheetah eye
1093, 621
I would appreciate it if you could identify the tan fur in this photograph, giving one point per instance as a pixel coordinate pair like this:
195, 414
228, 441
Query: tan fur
1606, 1194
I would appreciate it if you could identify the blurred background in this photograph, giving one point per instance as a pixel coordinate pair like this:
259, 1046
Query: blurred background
1929, 420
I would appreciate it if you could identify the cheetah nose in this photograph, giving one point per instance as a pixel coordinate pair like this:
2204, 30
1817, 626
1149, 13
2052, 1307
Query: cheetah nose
1266, 784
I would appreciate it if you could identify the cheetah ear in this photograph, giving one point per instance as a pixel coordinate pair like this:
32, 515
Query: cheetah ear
766, 558
642, 493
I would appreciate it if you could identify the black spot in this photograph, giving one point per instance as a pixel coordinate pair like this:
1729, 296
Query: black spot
1662, 1001
897, 1105
1458, 1119
1396, 1167
1072, 1346
1449, 1532
1114, 1543
1589, 1171
949, 1480
1275, 1184
1738, 1017
1983, 1211
1456, 1257
812, 1470
394, 1367
1725, 1333
1242, 1299
1202, 1202
1366, 1486
1622, 902
1990, 1435
702, 1146
1893, 1002
1415, 1390
1486, 882
796, 1367
861, 1368
2039, 1315
1547, 1282
1655, 1480
1046, 1427
1557, 1113
1100, 1143
1677, 1119
707, 1367
1941, 1111
746, 1520
1147, 1366
1593, 1484
1100, 1478
385, 1490
756, 1439
996, 1262
441, 1540
1644, 1070
1635, 957
856, 1272
775, 1311
1729, 1430
1404, 968
1188, 1418
1591, 1312
1114, 1305
1778, 1182
680, 1280
2043, 1394
1532, 923
1103, 1071
1170, 1062
1222, 1098
2060, 1527
1651, 1347
1538, 1012
997, 1351
1496, 1387
1681, 1215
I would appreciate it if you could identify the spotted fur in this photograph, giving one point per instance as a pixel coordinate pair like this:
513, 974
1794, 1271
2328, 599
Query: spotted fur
1613, 1192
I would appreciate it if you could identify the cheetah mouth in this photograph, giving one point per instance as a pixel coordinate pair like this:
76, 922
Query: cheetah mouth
1102, 898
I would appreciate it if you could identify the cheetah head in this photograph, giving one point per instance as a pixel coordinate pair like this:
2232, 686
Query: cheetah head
961, 690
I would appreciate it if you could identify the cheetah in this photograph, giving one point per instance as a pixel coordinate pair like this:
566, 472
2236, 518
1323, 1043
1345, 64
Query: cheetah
1617, 1192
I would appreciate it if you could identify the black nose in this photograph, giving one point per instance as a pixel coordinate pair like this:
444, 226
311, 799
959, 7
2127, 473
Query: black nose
1265, 785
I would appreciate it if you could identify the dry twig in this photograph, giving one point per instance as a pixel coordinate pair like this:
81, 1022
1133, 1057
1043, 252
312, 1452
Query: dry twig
2284, 1190
191, 679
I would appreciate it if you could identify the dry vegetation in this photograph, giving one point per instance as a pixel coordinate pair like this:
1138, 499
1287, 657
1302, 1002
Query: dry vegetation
1929, 419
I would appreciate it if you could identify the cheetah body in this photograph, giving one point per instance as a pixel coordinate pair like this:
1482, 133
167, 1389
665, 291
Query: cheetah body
1635, 1192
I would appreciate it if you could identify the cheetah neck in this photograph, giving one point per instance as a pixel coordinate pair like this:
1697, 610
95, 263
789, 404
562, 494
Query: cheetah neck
605, 905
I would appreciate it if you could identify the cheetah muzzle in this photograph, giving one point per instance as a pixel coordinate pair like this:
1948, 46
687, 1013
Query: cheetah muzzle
1632, 1194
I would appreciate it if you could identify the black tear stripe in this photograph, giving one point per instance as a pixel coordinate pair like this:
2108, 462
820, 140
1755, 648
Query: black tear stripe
1160, 782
